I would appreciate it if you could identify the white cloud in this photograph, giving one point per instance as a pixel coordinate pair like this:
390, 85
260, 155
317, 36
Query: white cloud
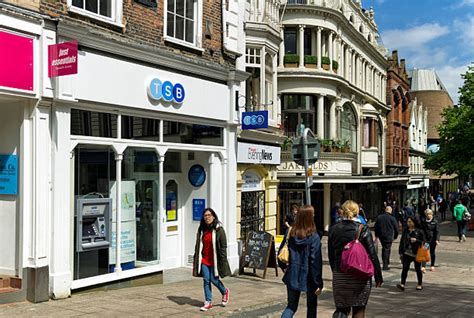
463, 3
415, 37
465, 29
380, 1
451, 78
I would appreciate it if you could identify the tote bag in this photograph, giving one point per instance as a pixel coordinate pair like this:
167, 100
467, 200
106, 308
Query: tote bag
355, 261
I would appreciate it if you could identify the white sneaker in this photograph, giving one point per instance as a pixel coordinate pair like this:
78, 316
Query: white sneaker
464, 238
207, 306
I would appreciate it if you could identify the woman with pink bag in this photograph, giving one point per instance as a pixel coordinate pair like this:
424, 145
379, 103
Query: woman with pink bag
351, 291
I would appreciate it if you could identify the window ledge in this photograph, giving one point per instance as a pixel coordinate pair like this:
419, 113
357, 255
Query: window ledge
183, 43
97, 17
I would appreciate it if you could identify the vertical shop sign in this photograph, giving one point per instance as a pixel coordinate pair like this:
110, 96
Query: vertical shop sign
62, 59
8, 174
16, 61
198, 207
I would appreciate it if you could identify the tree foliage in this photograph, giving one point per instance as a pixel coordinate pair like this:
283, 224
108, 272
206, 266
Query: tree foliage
456, 132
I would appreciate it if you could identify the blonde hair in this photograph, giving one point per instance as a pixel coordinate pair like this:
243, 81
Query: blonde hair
428, 211
350, 209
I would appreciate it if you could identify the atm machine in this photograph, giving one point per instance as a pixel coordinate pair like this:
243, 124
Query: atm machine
93, 236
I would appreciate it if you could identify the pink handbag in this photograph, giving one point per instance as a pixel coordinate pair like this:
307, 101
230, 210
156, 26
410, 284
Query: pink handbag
355, 261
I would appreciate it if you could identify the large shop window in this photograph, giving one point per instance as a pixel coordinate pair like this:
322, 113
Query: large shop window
181, 20
349, 126
94, 124
94, 177
192, 134
298, 110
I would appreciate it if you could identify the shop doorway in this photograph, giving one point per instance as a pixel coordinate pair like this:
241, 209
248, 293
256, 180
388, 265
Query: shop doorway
172, 221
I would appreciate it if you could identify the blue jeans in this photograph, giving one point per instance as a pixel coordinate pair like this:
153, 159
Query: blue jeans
293, 300
462, 228
208, 276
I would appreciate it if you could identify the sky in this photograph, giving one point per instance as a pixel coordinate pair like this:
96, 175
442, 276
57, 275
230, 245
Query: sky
429, 34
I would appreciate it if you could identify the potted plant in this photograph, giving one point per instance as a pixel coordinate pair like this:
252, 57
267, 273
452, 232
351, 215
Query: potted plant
345, 145
310, 61
286, 146
326, 145
325, 61
291, 60
335, 66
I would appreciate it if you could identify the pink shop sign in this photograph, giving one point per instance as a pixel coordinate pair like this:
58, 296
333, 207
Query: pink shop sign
16, 61
62, 59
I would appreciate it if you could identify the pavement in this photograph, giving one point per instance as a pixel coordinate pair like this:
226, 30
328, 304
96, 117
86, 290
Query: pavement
448, 292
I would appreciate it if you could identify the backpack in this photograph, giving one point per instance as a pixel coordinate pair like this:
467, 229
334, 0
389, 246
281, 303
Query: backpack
355, 261
466, 216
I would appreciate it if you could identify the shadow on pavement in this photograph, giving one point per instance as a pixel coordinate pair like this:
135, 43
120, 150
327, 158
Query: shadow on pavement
180, 300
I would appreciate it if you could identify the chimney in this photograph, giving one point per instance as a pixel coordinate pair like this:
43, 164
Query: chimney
394, 59
403, 71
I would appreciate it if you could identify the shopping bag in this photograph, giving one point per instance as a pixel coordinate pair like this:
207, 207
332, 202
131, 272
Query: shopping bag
422, 255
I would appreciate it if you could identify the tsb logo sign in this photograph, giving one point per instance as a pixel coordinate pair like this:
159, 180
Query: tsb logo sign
158, 90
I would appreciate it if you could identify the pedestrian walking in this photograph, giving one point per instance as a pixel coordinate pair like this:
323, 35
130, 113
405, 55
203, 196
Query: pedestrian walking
210, 257
304, 270
350, 292
290, 217
461, 219
362, 215
432, 236
335, 213
412, 238
386, 230
442, 208
407, 211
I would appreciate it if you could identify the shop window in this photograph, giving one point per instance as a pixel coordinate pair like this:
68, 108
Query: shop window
94, 124
140, 208
298, 112
192, 134
252, 212
290, 41
181, 18
140, 128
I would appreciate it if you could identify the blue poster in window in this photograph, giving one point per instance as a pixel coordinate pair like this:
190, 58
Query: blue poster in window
9, 174
198, 207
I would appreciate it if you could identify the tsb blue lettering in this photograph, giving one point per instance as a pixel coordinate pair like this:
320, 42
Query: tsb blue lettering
166, 90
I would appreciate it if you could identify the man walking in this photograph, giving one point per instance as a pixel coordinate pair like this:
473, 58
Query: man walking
461, 215
386, 230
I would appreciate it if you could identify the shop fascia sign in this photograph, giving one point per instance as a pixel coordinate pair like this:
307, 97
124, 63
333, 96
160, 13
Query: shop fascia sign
321, 166
166, 91
258, 154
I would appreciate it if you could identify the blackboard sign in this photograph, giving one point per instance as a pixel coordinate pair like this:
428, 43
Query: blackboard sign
259, 252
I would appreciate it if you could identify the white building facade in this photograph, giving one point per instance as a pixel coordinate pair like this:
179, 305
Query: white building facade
332, 79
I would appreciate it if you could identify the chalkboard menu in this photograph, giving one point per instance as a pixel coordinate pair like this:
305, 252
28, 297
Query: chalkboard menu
259, 252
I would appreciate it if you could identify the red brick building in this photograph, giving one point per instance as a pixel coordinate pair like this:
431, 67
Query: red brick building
398, 118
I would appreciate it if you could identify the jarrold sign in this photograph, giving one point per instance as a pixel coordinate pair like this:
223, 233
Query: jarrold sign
333, 167
259, 154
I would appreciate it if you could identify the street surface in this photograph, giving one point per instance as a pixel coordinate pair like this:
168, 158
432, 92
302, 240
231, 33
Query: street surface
448, 292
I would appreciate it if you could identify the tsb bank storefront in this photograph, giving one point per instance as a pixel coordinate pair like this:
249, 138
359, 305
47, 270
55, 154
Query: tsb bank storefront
141, 151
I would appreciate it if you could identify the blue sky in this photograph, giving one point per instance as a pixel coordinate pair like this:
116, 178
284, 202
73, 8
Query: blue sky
433, 34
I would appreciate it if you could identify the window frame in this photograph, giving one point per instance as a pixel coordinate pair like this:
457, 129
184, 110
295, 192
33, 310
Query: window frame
198, 19
116, 13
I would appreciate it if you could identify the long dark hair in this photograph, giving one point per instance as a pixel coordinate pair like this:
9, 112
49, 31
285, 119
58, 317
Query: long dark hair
304, 224
415, 222
203, 226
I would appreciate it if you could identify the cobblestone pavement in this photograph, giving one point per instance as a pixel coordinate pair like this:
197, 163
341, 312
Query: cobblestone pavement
448, 292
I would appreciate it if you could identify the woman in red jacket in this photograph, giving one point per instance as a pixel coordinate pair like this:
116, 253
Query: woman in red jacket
210, 257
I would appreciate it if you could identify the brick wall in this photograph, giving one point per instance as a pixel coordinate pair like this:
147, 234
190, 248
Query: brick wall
144, 25
435, 102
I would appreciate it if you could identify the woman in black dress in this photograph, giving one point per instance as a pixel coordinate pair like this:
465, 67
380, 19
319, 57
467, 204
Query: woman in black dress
351, 292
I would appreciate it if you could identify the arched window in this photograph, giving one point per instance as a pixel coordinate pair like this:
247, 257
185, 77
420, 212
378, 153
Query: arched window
369, 37
349, 126
352, 19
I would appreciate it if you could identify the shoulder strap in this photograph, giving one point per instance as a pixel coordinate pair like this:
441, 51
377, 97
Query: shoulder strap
359, 229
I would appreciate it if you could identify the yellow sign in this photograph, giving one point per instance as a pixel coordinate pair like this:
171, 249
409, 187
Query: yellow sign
171, 215
310, 172
173, 228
